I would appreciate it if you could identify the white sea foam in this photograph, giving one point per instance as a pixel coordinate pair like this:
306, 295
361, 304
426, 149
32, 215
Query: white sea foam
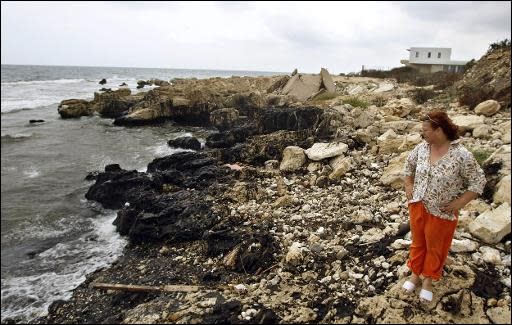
11, 109
42, 82
164, 150
37, 228
123, 79
100, 161
16, 105
17, 136
31, 173
9, 169
32, 94
30, 296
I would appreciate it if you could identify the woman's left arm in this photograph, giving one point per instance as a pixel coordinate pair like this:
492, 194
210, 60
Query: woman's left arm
460, 202
474, 178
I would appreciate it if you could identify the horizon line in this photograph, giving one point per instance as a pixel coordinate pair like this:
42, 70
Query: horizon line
99, 66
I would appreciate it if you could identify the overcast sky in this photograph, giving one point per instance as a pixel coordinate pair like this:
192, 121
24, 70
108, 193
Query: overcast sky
263, 36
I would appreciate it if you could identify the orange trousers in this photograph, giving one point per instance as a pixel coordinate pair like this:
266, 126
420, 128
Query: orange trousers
431, 241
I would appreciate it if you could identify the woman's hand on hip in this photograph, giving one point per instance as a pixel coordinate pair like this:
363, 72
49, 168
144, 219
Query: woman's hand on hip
408, 192
453, 206
409, 185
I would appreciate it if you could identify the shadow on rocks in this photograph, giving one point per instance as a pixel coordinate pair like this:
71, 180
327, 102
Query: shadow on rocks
248, 252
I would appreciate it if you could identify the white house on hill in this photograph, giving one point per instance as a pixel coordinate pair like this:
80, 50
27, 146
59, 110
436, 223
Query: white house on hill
433, 59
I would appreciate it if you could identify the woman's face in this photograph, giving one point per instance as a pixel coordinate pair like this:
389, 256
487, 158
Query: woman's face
429, 134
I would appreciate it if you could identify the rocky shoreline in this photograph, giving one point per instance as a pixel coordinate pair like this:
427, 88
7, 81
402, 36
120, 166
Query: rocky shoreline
294, 212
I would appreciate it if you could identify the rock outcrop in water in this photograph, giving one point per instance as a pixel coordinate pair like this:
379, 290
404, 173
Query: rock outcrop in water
199, 102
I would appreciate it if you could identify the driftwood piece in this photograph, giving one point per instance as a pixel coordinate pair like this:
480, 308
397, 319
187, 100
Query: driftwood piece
142, 288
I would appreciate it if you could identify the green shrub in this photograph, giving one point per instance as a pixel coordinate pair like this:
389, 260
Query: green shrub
504, 44
472, 96
325, 96
421, 95
401, 74
480, 155
374, 73
446, 79
379, 101
440, 79
420, 81
355, 102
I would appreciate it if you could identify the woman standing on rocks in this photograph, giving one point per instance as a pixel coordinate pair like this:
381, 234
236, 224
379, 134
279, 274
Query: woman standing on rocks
441, 177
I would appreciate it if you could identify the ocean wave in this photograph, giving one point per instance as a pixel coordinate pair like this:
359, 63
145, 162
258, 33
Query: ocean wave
39, 229
15, 110
164, 150
117, 78
31, 173
10, 106
8, 138
14, 106
39, 82
99, 162
9, 169
23, 98
67, 265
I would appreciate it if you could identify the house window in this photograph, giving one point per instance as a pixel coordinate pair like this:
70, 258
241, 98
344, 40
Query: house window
429, 55
417, 54
439, 55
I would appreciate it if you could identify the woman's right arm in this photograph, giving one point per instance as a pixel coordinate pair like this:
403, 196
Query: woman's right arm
409, 183
409, 171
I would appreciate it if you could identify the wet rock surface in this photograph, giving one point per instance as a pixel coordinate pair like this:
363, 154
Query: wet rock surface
167, 202
185, 143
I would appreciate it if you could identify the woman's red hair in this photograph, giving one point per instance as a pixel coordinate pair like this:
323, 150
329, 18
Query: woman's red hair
439, 119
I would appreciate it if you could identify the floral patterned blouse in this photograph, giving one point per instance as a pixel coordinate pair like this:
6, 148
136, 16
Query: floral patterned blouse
439, 183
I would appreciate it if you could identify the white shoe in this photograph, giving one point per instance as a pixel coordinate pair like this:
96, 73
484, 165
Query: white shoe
426, 295
409, 286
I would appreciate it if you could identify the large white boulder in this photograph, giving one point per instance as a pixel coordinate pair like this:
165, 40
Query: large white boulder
468, 122
322, 150
302, 86
488, 108
384, 86
463, 245
503, 191
388, 142
327, 82
492, 225
293, 158
340, 166
482, 131
393, 173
